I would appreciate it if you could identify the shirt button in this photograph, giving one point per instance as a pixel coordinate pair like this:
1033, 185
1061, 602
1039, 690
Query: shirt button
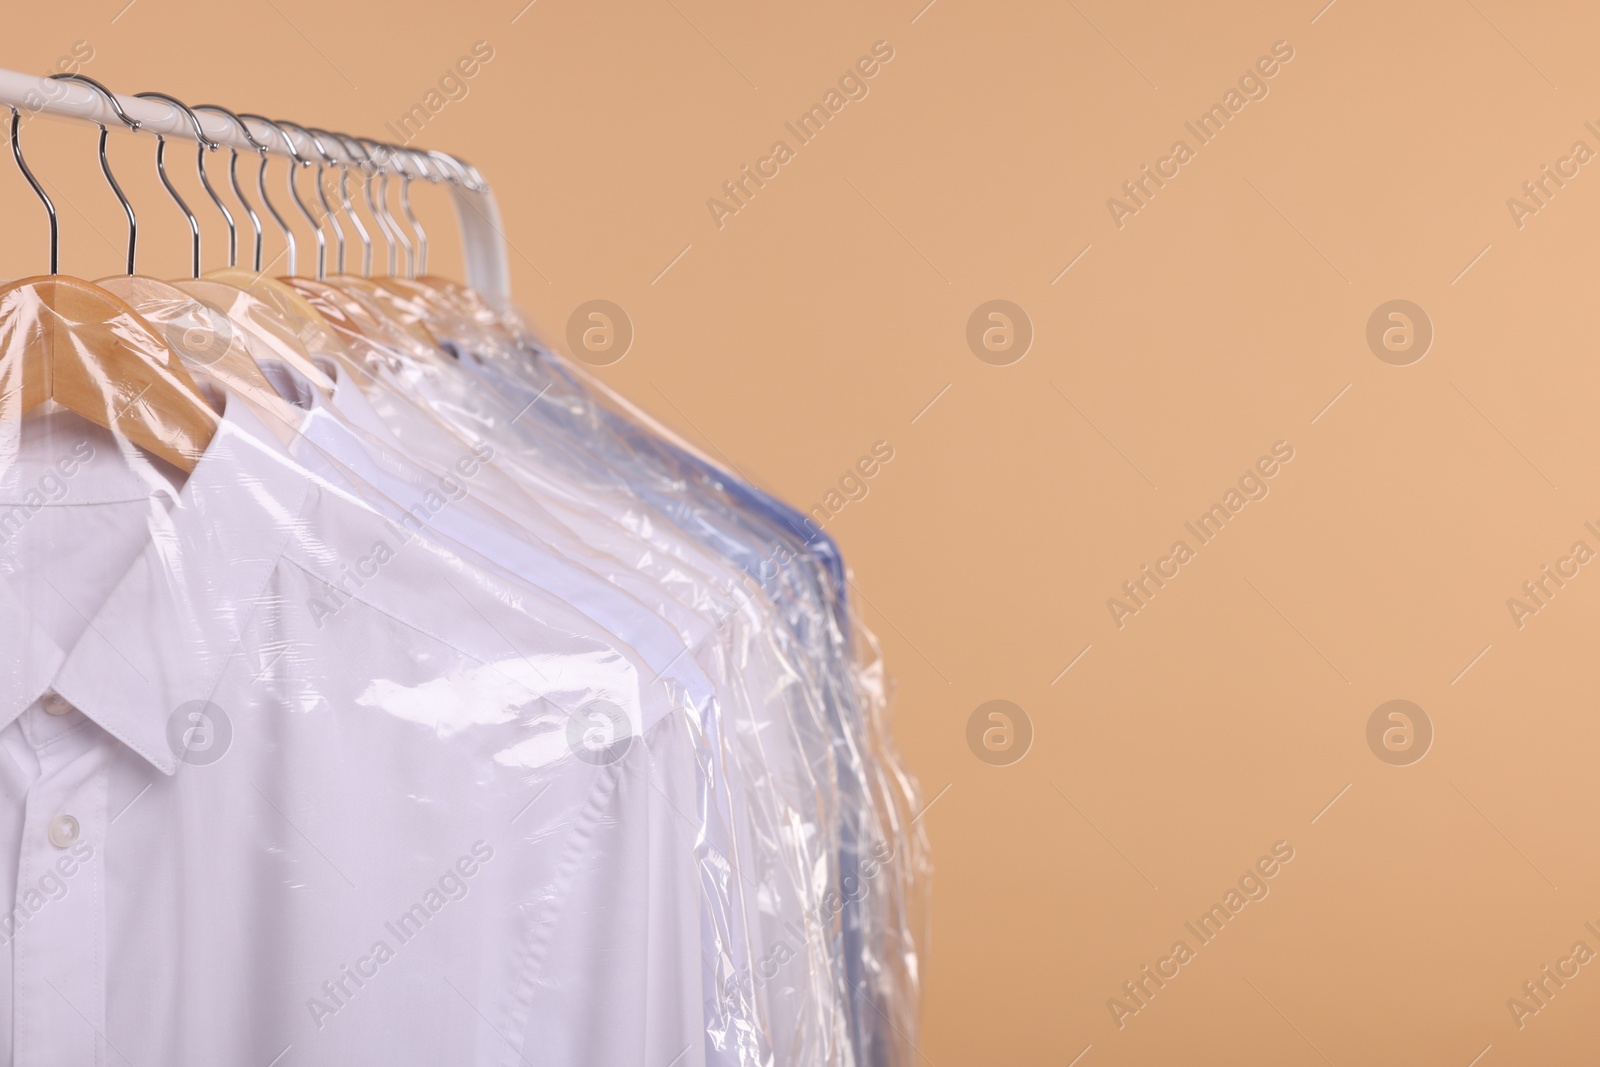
63, 831
55, 704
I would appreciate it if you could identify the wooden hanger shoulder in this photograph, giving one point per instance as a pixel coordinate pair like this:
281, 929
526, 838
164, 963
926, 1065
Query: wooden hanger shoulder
203, 338
358, 317
272, 333
73, 342
267, 288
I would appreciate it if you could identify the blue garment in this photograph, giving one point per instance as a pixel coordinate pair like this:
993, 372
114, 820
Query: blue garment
803, 573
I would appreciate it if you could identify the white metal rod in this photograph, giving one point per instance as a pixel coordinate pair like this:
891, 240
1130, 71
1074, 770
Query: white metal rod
483, 244
73, 100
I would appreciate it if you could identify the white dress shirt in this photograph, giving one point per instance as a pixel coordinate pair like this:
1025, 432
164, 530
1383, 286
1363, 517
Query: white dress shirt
280, 784
766, 779
623, 469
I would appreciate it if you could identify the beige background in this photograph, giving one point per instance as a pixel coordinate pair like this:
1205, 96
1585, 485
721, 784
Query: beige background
1226, 315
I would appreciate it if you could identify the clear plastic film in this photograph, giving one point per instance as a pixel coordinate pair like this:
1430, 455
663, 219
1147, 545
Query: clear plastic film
775, 548
379, 689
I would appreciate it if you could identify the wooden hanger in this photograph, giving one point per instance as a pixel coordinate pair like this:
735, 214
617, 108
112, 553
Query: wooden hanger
285, 313
470, 302
262, 285
437, 310
191, 328
414, 306
206, 340
379, 305
208, 344
68, 340
355, 315
275, 335
461, 309
255, 282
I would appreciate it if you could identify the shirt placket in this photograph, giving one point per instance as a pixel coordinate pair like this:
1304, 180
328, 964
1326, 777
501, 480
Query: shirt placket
59, 990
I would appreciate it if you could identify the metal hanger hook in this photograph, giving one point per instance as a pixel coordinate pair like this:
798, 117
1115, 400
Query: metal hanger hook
402, 167
382, 157
233, 179
459, 172
294, 191
424, 167
475, 180
105, 164
22, 165
367, 168
206, 144
349, 208
322, 196
261, 185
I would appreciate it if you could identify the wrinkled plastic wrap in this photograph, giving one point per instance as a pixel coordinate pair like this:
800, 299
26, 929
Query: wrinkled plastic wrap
397, 694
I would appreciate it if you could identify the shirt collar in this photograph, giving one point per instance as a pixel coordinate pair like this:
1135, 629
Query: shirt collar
29, 657
162, 637
484, 535
350, 402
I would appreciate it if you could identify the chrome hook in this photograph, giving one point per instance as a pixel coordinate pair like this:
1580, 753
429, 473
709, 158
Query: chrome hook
425, 169
322, 195
22, 164
233, 178
369, 170
382, 155
105, 165
365, 168
350, 208
294, 191
261, 187
206, 144
402, 166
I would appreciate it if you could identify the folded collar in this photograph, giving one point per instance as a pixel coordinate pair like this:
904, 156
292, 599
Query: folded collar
29, 657
163, 636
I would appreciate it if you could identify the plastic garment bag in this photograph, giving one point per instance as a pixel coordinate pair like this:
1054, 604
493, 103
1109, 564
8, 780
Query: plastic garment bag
566, 423
882, 854
398, 696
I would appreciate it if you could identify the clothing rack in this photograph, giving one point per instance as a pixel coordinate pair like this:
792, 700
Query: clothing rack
477, 214
318, 523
